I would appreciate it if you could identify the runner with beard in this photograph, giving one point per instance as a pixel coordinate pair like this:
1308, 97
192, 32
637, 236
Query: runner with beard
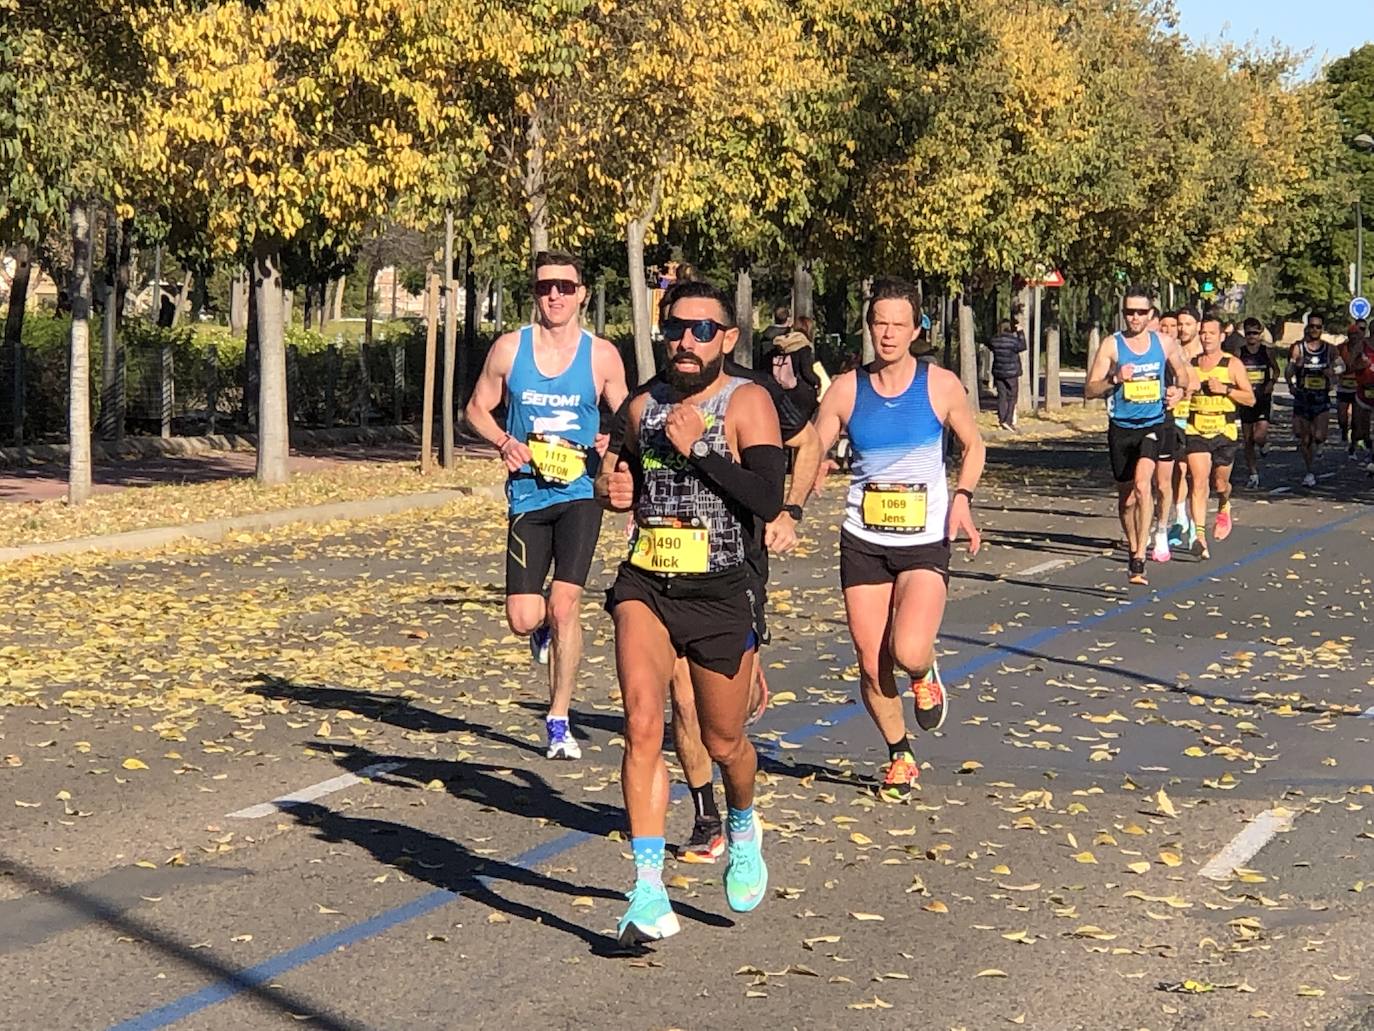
702, 468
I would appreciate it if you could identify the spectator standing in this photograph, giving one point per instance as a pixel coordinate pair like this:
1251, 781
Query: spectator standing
782, 324
792, 361
1006, 348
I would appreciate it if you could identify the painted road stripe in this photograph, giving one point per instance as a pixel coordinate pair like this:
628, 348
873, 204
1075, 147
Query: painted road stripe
1368, 714
1051, 565
1246, 845
314, 791
836, 715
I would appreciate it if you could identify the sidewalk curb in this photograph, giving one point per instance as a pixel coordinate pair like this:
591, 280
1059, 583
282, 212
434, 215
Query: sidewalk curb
217, 529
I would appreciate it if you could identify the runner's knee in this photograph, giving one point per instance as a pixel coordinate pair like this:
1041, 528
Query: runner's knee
524, 617
564, 612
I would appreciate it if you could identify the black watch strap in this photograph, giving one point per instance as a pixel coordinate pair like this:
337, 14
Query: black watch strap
795, 511
965, 492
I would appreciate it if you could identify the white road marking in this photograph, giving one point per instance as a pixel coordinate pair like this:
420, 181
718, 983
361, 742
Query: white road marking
1045, 567
1368, 714
1245, 845
314, 791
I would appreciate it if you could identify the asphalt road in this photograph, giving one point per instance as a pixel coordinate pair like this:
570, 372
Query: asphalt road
1149, 808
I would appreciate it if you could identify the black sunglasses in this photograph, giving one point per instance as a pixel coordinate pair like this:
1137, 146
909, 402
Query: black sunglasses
703, 330
566, 287
1136, 311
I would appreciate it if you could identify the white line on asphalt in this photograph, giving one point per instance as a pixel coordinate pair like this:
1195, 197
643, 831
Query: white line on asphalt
1368, 714
324, 787
1045, 567
1245, 845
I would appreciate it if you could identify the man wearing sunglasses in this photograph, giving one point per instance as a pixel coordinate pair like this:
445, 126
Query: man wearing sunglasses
1128, 370
702, 467
553, 375
707, 841
1312, 371
1262, 370
901, 519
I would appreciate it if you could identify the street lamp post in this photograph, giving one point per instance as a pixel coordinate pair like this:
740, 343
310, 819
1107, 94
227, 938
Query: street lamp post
1363, 142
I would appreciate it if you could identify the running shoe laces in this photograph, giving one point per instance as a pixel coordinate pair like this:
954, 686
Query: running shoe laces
650, 916
898, 778
930, 699
746, 876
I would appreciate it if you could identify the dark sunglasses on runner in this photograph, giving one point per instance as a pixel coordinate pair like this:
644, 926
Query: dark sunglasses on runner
566, 287
1136, 311
703, 330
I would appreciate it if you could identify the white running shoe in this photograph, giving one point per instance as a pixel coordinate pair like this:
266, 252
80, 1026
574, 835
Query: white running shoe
1161, 551
1309, 480
564, 748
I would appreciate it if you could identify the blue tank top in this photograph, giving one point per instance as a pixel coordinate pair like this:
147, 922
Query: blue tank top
898, 495
1140, 401
557, 417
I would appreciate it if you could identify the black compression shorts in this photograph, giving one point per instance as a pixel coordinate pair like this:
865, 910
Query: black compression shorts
1261, 411
714, 620
1127, 445
1221, 448
563, 536
863, 562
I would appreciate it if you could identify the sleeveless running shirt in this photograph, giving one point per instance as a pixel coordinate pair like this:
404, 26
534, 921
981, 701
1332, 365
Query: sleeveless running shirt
1311, 378
557, 418
1256, 368
1213, 415
1139, 402
898, 496
682, 526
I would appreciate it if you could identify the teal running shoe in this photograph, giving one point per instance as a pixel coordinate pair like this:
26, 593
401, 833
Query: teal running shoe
650, 916
746, 874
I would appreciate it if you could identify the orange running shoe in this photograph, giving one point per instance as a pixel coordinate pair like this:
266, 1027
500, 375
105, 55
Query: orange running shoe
1222, 530
899, 778
930, 699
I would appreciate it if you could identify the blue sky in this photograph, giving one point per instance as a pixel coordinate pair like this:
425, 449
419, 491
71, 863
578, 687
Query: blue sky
1331, 28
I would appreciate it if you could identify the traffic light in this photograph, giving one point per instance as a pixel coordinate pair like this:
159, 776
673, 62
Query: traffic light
1208, 288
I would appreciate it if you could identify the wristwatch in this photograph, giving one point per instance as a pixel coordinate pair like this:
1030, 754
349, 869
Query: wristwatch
795, 511
700, 449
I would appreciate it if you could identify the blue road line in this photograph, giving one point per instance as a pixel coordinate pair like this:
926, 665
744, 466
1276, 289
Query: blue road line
264, 972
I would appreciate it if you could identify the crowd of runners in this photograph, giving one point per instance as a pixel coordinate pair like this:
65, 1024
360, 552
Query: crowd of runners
698, 457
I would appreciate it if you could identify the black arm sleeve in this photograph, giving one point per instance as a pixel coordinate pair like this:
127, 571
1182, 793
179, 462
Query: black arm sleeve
755, 482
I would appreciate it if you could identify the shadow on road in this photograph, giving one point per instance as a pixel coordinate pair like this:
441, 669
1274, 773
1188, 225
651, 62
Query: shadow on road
231, 979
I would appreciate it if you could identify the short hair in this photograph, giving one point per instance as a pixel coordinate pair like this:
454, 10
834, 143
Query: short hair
1253, 323
546, 258
1004, 326
891, 288
1191, 312
1172, 313
1209, 317
805, 325
694, 288
782, 313
1136, 290
1316, 315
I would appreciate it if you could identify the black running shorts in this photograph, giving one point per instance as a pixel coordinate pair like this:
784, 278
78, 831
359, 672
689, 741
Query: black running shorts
563, 536
1127, 445
863, 562
713, 620
1309, 406
1261, 411
1173, 442
1221, 448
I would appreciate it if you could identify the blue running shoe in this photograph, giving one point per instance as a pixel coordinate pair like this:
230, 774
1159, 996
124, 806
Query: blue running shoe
650, 916
746, 874
539, 644
1176, 538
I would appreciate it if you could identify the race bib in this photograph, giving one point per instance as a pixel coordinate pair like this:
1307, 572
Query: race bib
1141, 391
1257, 376
1209, 425
555, 459
895, 507
1347, 382
672, 549
1314, 381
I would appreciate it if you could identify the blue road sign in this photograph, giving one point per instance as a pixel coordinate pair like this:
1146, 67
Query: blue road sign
1359, 308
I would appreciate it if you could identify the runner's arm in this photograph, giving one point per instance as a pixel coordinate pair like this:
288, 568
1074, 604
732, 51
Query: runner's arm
1291, 373
1242, 393
610, 483
756, 480
1184, 375
834, 411
1099, 382
806, 462
952, 407
486, 395
613, 387
1274, 371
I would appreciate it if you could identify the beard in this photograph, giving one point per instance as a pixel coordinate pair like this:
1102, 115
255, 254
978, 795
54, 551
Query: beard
686, 383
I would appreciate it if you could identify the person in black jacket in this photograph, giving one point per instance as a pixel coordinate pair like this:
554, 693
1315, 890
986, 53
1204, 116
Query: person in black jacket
1006, 348
792, 360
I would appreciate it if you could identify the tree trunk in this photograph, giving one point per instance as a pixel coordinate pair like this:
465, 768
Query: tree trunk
369, 301
111, 408
450, 345
500, 310
166, 391
744, 315
968, 353
211, 388
1094, 339
248, 411
867, 354
398, 382
288, 304
536, 189
14, 337
199, 294
469, 328
427, 393
1053, 401
635, 230
183, 299
599, 320
1023, 391
803, 286
322, 309
308, 306
1036, 347
337, 311
273, 427
79, 374
238, 304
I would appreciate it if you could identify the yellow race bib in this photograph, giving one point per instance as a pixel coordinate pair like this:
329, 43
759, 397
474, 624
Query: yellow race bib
1348, 382
895, 507
556, 460
1314, 381
1209, 425
671, 549
1257, 376
1141, 391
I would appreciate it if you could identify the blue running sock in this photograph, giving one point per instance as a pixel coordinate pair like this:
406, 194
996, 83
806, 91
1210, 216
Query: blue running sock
648, 854
557, 726
741, 822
